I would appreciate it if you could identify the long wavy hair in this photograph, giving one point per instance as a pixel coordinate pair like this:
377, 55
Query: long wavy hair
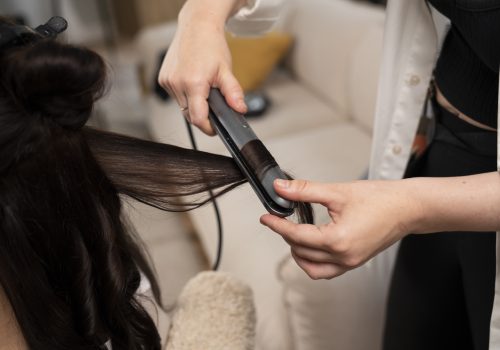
69, 266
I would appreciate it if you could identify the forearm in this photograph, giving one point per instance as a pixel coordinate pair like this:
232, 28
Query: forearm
209, 11
467, 203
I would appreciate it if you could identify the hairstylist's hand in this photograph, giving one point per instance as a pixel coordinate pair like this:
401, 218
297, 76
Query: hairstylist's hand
367, 217
199, 58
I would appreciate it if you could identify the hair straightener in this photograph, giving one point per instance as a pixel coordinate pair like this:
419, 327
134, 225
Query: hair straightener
250, 154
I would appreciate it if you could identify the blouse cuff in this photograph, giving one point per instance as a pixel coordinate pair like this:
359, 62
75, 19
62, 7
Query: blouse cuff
257, 17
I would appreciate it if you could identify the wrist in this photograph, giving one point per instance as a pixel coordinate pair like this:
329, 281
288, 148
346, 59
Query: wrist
413, 213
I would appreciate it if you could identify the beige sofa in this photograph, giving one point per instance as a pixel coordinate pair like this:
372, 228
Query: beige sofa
318, 128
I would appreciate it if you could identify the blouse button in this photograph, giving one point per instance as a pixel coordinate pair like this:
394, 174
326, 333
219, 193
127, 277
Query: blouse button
396, 149
414, 80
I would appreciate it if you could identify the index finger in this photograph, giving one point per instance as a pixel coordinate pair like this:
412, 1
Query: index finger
198, 113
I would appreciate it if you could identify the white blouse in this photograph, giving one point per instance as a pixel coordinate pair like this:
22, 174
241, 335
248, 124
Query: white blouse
410, 51
257, 17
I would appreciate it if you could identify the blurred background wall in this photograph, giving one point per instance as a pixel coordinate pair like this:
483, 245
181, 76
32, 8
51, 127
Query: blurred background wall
85, 17
92, 20
35, 11
132, 15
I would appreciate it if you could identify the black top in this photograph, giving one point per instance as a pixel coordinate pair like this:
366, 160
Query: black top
468, 66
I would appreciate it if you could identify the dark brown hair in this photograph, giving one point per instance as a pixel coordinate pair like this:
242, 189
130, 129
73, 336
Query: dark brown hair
69, 266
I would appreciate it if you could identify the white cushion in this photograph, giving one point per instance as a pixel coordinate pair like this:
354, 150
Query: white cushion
326, 33
345, 313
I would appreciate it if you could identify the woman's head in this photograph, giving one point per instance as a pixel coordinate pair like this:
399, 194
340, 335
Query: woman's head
69, 266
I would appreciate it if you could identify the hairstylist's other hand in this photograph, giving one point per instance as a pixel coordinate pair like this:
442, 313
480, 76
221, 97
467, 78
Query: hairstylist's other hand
199, 59
367, 217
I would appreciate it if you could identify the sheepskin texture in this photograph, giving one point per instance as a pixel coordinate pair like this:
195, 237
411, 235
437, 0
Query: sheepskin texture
215, 311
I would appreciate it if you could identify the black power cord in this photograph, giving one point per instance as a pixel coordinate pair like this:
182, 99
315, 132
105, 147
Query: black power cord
214, 203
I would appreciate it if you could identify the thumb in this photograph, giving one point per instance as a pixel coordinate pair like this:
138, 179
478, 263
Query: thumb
303, 191
232, 91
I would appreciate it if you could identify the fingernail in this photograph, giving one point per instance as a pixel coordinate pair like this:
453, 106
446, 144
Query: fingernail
240, 102
282, 183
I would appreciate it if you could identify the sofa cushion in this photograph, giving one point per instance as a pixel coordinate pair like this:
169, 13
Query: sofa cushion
255, 58
326, 33
346, 312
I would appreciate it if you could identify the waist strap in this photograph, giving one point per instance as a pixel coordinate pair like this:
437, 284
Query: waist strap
452, 130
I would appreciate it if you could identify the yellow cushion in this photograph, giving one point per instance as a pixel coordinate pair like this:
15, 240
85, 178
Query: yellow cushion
255, 58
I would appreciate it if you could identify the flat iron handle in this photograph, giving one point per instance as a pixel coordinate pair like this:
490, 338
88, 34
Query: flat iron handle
232, 121
249, 152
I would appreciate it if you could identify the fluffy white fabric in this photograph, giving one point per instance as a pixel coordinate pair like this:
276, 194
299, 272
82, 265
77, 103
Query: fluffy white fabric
215, 312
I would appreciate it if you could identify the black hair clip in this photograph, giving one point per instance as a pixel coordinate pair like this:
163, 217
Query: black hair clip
13, 35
